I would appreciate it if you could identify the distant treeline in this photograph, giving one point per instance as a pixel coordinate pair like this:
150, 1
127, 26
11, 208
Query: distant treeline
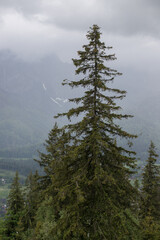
23, 166
22, 152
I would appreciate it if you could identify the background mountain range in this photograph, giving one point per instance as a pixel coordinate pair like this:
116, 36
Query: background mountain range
31, 94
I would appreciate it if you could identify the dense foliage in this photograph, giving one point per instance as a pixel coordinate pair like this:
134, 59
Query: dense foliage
150, 202
14, 210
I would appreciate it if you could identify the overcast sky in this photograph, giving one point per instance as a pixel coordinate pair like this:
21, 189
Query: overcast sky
35, 28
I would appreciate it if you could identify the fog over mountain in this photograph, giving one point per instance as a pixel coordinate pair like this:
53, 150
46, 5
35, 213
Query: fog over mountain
31, 94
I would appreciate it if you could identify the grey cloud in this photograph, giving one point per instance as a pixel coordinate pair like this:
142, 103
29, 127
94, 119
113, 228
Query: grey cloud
26, 7
37, 27
119, 16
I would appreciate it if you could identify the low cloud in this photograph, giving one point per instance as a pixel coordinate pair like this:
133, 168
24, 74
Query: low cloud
118, 16
36, 28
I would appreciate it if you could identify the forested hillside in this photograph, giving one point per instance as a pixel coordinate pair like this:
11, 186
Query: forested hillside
28, 93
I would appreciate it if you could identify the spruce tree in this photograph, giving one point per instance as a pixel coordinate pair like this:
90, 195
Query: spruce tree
88, 172
15, 205
150, 202
151, 186
57, 147
31, 202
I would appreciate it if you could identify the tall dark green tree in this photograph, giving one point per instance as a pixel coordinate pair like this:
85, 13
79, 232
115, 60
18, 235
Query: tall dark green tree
15, 205
89, 172
57, 147
151, 185
150, 201
31, 202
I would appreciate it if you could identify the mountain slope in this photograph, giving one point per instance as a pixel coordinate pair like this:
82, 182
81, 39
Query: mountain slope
30, 95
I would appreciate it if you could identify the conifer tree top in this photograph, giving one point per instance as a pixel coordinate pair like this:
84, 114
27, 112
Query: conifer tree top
88, 173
